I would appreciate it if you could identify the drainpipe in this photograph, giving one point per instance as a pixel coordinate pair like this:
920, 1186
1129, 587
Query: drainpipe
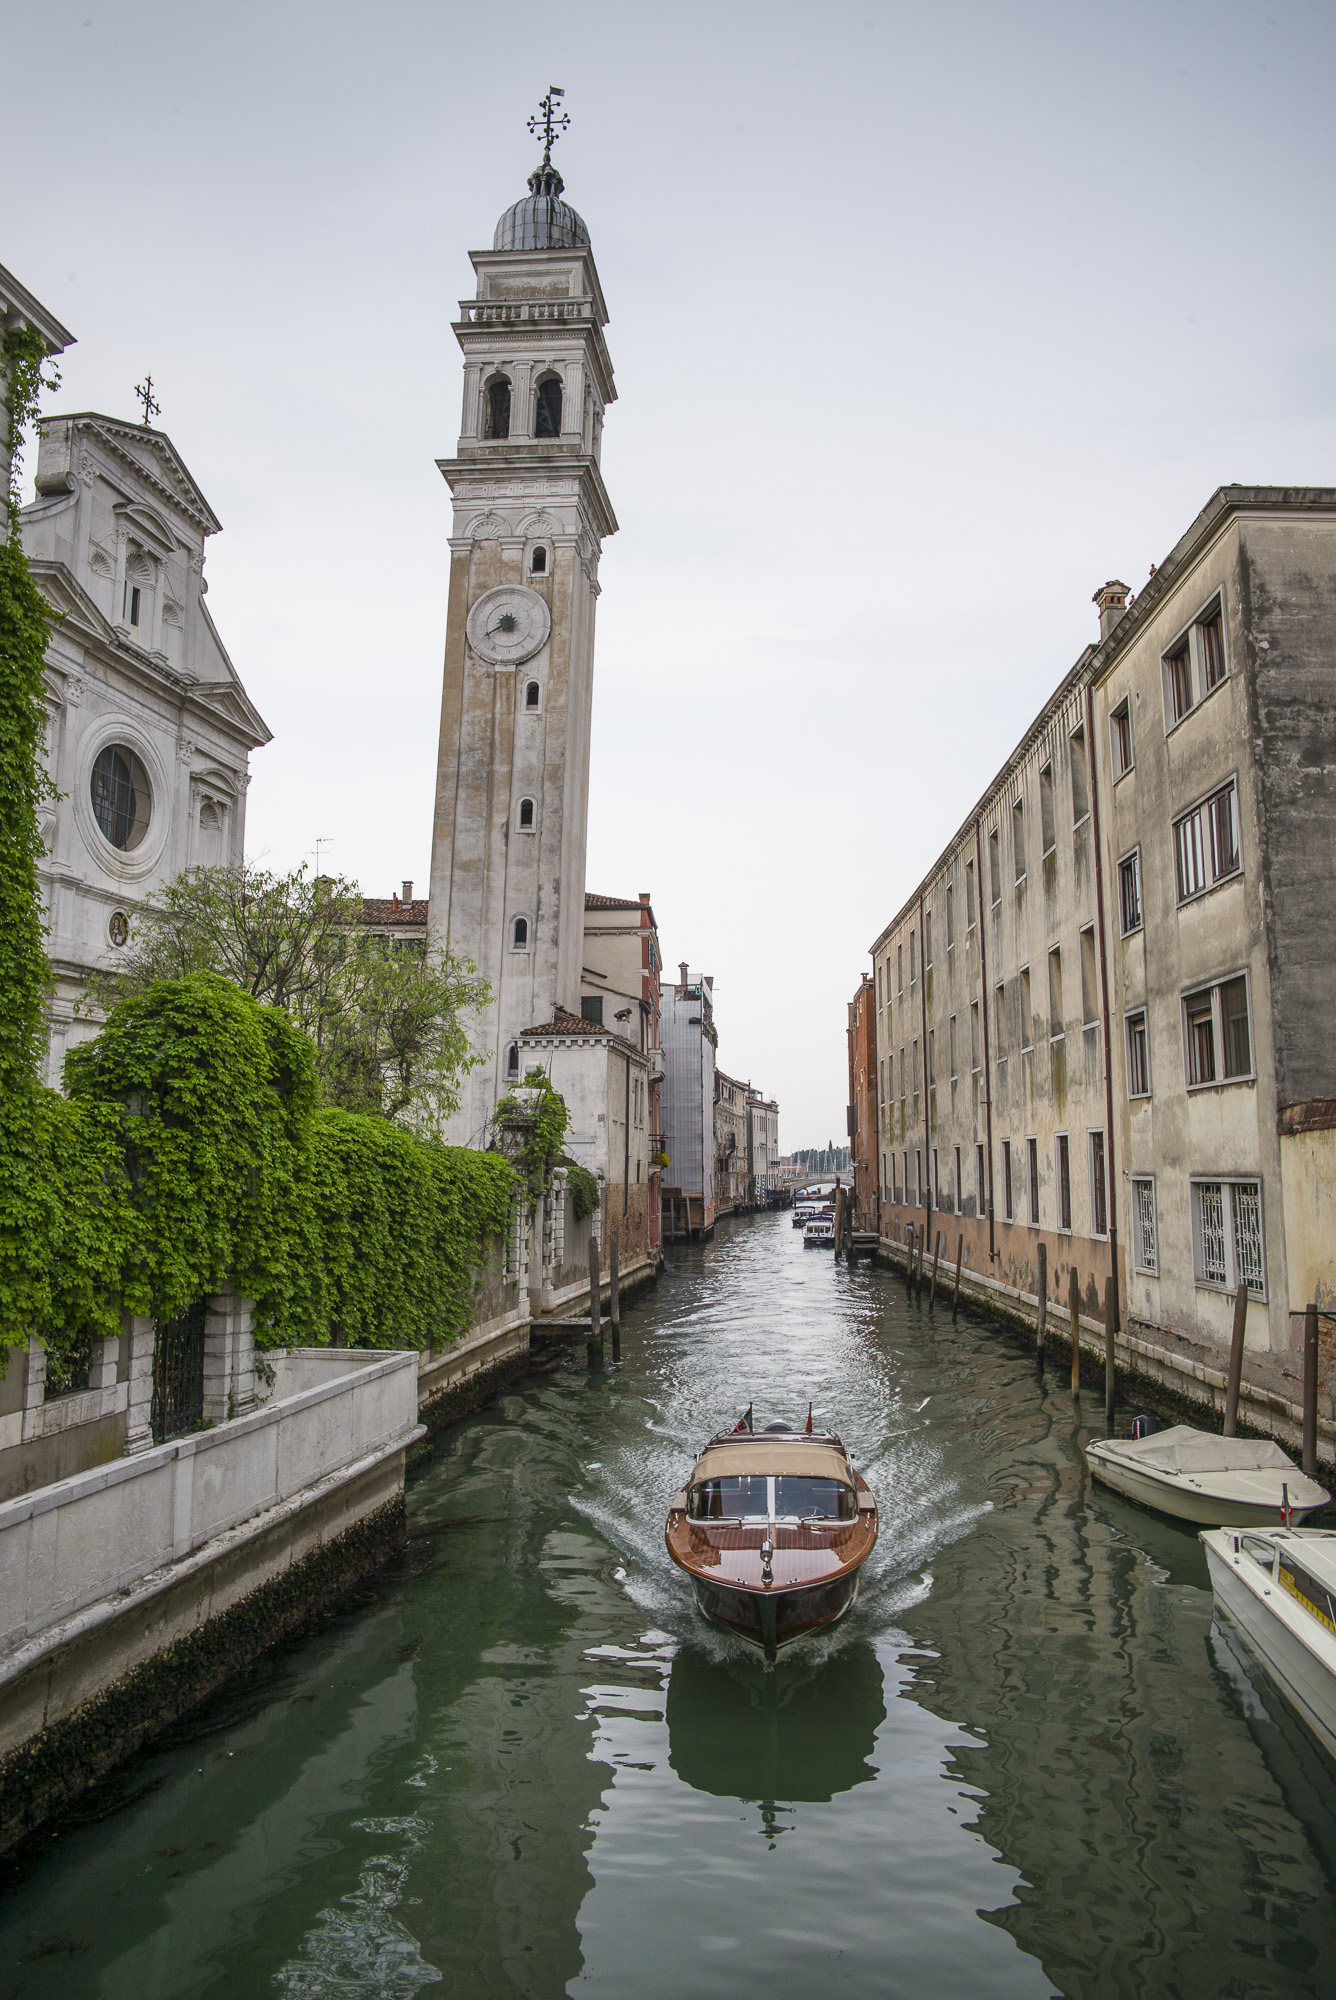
927, 1130
1111, 1184
983, 1010
626, 1129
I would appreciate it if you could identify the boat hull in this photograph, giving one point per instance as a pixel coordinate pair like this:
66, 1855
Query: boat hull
1306, 1683
773, 1618
1202, 1504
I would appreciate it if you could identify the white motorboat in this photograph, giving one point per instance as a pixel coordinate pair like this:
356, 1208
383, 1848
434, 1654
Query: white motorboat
1218, 1482
819, 1232
1278, 1586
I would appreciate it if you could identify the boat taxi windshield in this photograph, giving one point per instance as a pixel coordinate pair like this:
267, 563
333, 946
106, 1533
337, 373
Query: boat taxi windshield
748, 1496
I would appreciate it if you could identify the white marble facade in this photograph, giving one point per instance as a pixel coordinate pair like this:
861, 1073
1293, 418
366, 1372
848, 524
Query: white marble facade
149, 729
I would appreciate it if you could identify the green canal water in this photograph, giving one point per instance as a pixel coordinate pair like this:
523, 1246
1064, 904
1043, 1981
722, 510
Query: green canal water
518, 1763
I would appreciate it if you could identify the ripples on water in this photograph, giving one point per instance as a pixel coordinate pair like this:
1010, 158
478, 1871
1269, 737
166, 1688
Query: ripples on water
520, 1764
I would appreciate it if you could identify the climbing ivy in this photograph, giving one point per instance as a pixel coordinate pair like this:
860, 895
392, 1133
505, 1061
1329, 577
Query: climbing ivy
584, 1190
543, 1109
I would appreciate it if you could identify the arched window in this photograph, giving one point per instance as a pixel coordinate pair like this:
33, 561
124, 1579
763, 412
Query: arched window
526, 815
547, 415
498, 409
538, 561
519, 934
513, 1059
531, 694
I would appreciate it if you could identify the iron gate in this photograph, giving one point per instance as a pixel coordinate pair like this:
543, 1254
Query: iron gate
178, 1373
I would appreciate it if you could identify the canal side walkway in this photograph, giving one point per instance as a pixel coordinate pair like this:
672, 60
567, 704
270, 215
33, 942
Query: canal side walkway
1154, 1357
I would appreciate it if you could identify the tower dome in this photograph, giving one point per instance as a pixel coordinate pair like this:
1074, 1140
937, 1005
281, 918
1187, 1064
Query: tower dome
542, 221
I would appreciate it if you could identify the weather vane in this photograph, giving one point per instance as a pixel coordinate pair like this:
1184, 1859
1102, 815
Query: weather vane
144, 391
548, 122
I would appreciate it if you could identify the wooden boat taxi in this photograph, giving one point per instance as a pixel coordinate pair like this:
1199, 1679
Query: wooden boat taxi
1215, 1482
1279, 1588
773, 1527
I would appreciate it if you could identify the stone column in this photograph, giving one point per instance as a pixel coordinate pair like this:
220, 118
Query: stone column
141, 1335
229, 1357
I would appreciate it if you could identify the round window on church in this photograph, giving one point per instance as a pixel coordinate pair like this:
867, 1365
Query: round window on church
122, 796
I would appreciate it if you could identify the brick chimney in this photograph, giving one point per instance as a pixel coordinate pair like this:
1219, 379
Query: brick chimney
1112, 601
408, 892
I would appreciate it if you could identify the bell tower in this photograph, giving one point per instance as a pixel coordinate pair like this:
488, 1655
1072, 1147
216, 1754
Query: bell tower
530, 515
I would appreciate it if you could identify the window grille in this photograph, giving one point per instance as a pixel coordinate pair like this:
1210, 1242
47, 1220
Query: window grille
178, 1374
1211, 1266
1248, 1259
1145, 1241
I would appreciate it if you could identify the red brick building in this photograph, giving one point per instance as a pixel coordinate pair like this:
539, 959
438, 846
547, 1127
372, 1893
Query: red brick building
863, 1104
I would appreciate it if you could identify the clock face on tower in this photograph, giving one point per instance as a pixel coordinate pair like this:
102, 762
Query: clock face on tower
508, 625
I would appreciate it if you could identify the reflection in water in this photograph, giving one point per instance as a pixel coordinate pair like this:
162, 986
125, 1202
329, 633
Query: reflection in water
800, 1735
522, 1767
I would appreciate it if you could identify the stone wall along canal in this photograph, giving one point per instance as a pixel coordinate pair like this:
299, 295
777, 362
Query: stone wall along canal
518, 1764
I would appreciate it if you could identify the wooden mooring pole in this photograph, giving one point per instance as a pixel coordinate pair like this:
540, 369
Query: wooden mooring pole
1041, 1316
595, 1350
1310, 1392
1110, 1322
614, 1299
960, 1252
936, 1258
1234, 1379
1074, 1307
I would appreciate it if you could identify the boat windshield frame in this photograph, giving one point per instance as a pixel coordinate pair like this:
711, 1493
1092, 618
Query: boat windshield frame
842, 1519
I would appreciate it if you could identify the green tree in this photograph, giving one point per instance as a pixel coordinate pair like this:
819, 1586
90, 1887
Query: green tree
387, 1018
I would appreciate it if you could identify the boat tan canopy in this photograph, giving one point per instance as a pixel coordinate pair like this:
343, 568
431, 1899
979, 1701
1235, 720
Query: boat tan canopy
1183, 1449
791, 1456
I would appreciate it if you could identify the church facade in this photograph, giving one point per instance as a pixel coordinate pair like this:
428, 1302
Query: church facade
531, 514
149, 730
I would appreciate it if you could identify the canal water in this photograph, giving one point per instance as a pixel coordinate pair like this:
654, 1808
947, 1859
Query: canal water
519, 1765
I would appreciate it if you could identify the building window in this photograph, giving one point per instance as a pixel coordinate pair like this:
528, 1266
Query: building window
981, 1179
1006, 1179
1206, 843
899, 969
538, 561
513, 1059
1064, 1184
1000, 1021
1099, 1194
1227, 1242
918, 1179
936, 1180
1138, 1056
121, 795
1080, 781
916, 1069
1120, 738
1217, 1034
1032, 1166
951, 1039
519, 934
927, 939
525, 821
135, 597
913, 958
591, 1008
950, 917
932, 1057
974, 1037
1018, 839
1195, 667
958, 1186
1056, 1030
969, 895
1089, 979
1047, 828
1027, 1012
547, 412
533, 694
497, 417
1145, 1236
995, 868
1129, 892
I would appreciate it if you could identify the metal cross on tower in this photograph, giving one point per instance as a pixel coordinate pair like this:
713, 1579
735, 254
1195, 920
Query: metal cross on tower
144, 391
548, 123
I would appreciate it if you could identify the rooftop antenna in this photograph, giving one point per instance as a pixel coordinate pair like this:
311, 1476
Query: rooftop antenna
144, 391
325, 840
549, 122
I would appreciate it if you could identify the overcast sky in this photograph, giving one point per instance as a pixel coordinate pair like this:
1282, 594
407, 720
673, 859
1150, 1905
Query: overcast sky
926, 320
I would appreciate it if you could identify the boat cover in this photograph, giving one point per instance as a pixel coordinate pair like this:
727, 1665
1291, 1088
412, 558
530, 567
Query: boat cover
789, 1455
1183, 1449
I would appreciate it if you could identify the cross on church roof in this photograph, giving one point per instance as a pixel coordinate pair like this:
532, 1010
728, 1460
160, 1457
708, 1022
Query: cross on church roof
545, 125
144, 391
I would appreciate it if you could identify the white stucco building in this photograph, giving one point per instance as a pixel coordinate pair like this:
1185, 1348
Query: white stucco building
150, 730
